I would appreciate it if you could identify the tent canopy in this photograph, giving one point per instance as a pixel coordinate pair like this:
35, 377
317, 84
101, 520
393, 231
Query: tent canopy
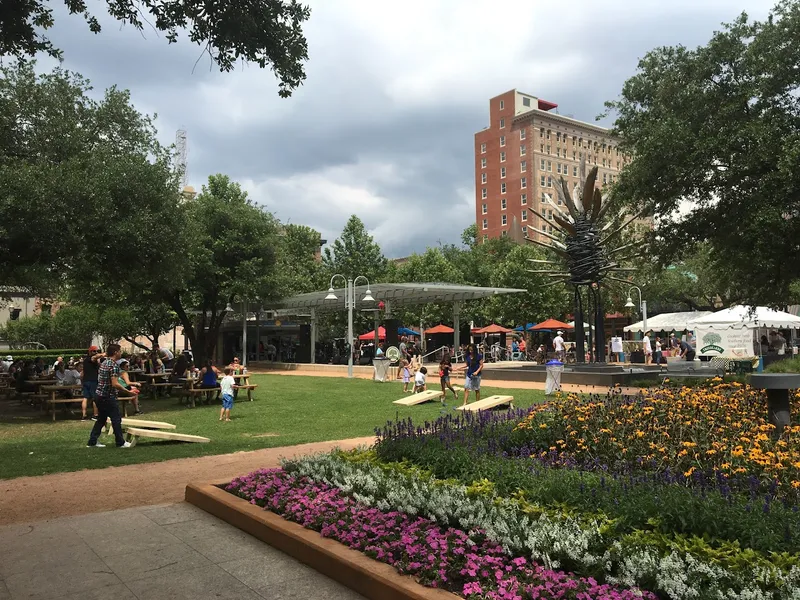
527, 327
738, 317
585, 325
674, 321
493, 328
407, 331
371, 335
439, 329
551, 324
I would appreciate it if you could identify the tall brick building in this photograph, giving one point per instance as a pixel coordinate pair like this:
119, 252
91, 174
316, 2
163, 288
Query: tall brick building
521, 155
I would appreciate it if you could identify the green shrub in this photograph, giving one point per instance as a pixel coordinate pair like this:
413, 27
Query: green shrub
789, 365
49, 356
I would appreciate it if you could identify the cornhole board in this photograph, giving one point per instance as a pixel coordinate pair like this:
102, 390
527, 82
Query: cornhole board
126, 423
487, 403
419, 398
134, 433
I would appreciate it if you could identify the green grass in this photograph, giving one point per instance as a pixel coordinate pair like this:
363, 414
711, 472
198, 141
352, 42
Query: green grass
297, 409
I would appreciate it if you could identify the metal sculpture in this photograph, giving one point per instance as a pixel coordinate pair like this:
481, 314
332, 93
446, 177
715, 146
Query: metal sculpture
583, 243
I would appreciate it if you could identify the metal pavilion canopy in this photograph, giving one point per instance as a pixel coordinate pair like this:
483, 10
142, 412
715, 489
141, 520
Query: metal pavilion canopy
392, 294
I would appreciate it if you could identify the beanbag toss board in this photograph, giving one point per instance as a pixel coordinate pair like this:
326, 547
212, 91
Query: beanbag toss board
134, 433
126, 423
488, 403
419, 398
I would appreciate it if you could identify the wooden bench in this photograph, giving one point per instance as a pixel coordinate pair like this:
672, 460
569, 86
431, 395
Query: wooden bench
419, 398
249, 387
134, 433
168, 385
127, 423
192, 393
487, 403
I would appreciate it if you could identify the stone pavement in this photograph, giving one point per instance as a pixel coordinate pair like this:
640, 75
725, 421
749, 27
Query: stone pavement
165, 552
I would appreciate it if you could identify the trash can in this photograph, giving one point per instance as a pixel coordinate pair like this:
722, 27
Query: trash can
381, 365
553, 381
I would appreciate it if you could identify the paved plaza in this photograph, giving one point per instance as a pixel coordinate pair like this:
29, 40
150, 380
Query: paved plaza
151, 553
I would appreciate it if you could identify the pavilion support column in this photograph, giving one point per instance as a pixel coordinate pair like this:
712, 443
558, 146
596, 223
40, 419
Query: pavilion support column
244, 334
313, 336
376, 321
456, 327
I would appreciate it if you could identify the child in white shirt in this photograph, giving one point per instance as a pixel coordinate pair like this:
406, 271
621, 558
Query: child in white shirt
226, 385
419, 380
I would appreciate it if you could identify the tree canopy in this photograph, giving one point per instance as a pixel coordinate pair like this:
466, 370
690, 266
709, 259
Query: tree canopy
355, 253
717, 129
265, 32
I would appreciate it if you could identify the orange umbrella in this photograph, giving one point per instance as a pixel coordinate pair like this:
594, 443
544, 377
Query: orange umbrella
371, 335
439, 329
493, 328
551, 324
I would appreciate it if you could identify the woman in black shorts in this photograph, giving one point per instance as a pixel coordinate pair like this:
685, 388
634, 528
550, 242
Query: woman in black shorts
445, 368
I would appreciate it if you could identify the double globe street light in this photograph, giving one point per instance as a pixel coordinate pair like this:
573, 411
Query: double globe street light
350, 304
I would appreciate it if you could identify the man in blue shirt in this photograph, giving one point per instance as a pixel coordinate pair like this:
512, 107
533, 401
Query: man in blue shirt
474, 366
106, 399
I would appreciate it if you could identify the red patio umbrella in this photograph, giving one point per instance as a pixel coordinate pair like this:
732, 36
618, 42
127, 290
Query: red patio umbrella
551, 324
439, 329
371, 335
493, 328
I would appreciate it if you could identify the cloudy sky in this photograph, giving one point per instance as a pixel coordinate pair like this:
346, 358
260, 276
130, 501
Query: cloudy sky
383, 127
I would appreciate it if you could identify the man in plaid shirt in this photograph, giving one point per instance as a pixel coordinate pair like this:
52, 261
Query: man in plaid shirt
106, 399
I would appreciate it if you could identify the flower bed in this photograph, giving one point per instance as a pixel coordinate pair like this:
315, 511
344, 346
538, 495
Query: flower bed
681, 492
467, 562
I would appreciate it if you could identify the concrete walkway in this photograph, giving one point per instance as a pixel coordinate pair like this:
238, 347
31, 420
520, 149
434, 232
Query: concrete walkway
171, 551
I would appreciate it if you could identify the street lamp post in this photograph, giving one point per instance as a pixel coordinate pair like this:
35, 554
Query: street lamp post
642, 307
350, 304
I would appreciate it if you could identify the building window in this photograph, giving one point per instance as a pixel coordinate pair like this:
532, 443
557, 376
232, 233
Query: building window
549, 182
483, 163
502, 123
484, 194
485, 237
523, 166
574, 171
542, 164
523, 199
484, 209
502, 141
543, 181
541, 148
502, 172
486, 223
483, 148
573, 155
503, 204
544, 196
558, 168
525, 231
523, 183
605, 178
549, 166
548, 134
503, 188
505, 220
604, 162
521, 134
522, 150
526, 102
502, 157
541, 131
524, 215
502, 104
548, 148
558, 136
483, 177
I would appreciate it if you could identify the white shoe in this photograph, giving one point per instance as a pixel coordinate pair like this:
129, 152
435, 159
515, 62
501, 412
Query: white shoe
97, 445
126, 445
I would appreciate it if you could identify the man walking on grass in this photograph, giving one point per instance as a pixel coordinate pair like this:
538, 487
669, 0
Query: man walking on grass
106, 399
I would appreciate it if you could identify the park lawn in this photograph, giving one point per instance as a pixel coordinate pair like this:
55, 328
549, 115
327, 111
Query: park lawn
286, 410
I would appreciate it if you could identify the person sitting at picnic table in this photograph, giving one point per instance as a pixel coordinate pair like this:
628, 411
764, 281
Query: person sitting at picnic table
136, 362
59, 371
23, 376
5, 365
131, 387
166, 356
179, 369
208, 378
39, 367
153, 364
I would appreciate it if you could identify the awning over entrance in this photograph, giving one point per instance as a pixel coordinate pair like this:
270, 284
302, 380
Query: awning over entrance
395, 294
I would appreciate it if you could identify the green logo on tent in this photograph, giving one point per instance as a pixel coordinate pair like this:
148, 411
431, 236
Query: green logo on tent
711, 348
712, 338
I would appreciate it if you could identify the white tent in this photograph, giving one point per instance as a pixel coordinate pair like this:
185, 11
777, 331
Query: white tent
738, 317
732, 332
585, 325
676, 321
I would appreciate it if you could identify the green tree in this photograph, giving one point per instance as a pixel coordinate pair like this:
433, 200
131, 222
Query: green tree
432, 266
79, 180
299, 268
229, 256
265, 32
717, 129
540, 301
355, 253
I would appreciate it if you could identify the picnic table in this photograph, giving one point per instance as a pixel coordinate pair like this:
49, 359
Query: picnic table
243, 383
53, 398
152, 383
